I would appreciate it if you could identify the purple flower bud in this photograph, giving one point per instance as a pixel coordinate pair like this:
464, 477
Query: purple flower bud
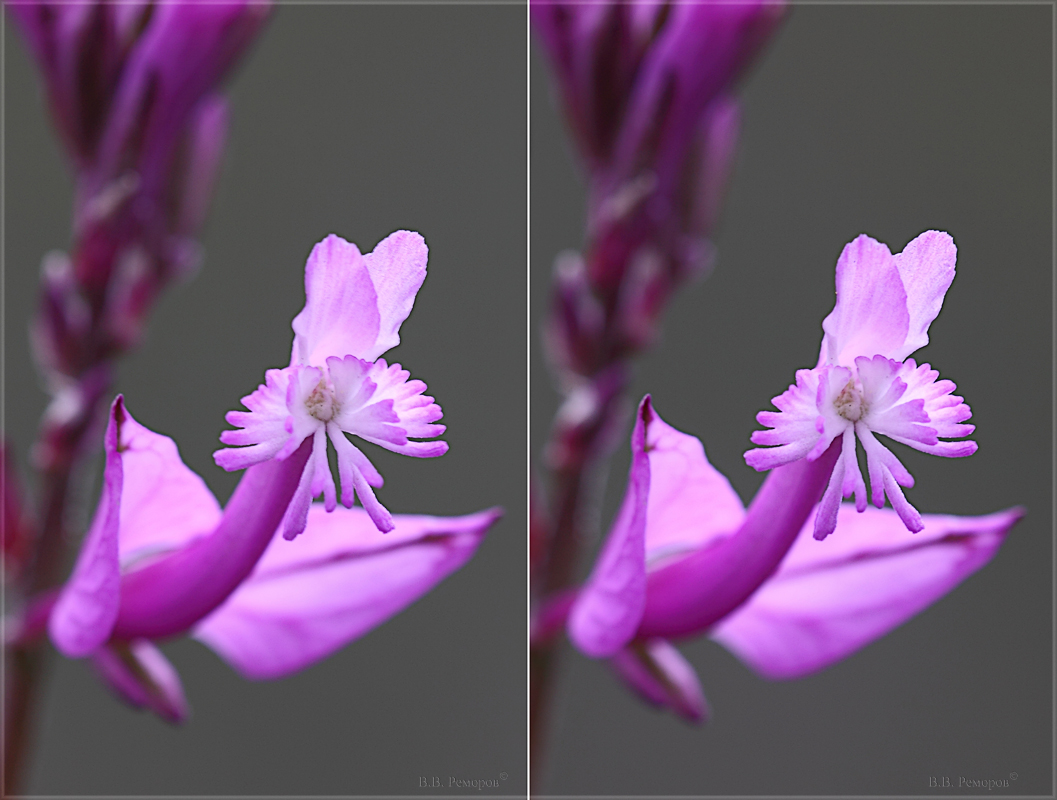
574, 334
646, 90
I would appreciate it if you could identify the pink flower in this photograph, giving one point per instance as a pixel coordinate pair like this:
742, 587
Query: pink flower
161, 559
684, 557
865, 383
337, 384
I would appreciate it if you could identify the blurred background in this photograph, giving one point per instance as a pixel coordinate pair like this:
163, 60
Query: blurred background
357, 120
889, 120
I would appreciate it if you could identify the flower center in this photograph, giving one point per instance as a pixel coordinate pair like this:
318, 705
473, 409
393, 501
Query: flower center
849, 403
321, 403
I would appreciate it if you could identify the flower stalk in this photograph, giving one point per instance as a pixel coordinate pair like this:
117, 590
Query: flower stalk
133, 93
647, 91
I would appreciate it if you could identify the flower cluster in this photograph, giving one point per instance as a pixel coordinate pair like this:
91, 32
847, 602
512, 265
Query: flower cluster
684, 557
162, 559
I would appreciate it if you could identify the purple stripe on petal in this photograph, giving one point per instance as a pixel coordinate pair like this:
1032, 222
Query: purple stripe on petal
828, 600
303, 603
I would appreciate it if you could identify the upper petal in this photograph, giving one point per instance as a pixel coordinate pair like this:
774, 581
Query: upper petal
870, 316
84, 614
306, 599
828, 599
163, 503
691, 503
341, 315
608, 609
397, 267
926, 267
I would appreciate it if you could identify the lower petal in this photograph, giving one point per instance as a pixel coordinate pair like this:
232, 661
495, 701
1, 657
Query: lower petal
304, 602
659, 674
296, 516
140, 674
827, 601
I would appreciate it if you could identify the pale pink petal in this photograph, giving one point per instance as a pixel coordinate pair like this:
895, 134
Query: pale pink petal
870, 316
795, 424
306, 600
609, 607
322, 479
853, 480
358, 475
415, 411
380, 405
887, 474
397, 267
691, 504
659, 674
296, 517
846, 478
829, 599
830, 423
163, 503
84, 614
266, 427
305, 392
826, 518
141, 675
946, 413
340, 316
926, 267
378, 513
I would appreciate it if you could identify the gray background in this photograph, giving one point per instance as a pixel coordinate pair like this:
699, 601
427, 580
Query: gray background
888, 120
357, 120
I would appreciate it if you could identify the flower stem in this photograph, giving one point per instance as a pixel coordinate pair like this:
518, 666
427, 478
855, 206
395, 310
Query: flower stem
63, 448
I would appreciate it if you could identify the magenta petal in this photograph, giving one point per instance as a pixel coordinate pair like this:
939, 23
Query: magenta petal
926, 267
84, 615
141, 675
659, 674
691, 503
168, 596
307, 599
163, 503
397, 266
828, 599
870, 316
609, 607
340, 316
690, 594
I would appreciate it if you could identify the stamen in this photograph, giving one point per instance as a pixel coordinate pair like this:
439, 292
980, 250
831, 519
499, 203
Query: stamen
849, 403
321, 403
